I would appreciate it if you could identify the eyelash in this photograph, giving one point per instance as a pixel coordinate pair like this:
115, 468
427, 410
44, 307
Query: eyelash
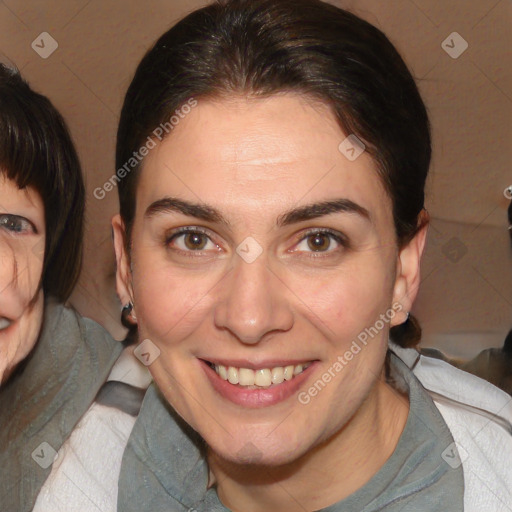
7, 218
334, 235
338, 237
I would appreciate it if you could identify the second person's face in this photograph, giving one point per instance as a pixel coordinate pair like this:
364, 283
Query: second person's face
22, 237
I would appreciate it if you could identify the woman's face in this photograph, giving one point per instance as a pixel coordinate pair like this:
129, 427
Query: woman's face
260, 254
22, 238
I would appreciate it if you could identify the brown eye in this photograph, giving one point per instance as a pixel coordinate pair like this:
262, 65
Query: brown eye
319, 242
195, 241
190, 240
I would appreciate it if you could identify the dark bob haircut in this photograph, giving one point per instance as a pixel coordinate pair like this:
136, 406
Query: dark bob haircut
265, 47
36, 151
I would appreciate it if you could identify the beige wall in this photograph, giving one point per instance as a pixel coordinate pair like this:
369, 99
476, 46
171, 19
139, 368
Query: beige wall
465, 301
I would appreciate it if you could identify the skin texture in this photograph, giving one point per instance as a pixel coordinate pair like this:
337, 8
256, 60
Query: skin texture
254, 159
22, 238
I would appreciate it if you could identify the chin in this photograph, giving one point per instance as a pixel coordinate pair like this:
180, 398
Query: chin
250, 455
260, 449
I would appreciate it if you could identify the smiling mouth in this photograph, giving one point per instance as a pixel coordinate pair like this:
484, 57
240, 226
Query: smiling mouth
261, 378
4, 323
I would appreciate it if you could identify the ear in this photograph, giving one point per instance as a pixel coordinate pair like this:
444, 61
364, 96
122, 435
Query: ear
408, 271
123, 272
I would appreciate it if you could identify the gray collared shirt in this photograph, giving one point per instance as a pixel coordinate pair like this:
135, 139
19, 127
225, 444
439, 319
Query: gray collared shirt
41, 405
164, 466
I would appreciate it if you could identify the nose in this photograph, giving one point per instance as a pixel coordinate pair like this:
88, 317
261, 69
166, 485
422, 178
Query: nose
252, 302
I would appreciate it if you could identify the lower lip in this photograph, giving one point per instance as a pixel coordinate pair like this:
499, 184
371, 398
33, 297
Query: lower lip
256, 398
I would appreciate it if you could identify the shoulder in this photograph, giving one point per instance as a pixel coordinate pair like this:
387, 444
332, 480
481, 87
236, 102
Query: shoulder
85, 473
71, 360
447, 383
42, 404
479, 416
65, 331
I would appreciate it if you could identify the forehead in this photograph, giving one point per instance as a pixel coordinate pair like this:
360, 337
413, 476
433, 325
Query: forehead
259, 152
13, 198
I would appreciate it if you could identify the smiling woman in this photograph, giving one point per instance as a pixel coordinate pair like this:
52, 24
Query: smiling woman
279, 221
267, 249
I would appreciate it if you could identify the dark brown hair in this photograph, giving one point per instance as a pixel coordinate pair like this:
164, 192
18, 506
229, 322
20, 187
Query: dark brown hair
264, 47
36, 151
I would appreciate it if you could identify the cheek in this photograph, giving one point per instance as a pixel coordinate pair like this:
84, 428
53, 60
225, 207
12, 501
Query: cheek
170, 302
32, 320
34, 268
18, 343
20, 273
350, 298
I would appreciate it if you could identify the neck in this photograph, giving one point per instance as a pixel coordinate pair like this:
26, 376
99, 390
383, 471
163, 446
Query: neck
329, 472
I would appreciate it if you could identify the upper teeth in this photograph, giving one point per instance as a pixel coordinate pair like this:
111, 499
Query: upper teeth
4, 323
263, 377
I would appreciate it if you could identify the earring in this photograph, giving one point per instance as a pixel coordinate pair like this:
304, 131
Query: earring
127, 308
128, 311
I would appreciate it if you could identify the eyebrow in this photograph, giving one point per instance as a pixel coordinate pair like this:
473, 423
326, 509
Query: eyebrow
295, 215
